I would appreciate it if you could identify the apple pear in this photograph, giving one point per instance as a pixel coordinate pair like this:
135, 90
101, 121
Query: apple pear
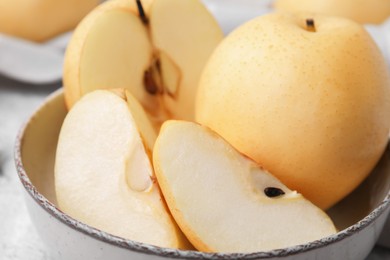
225, 202
155, 49
306, 96
40, 20
103, 172
361, 11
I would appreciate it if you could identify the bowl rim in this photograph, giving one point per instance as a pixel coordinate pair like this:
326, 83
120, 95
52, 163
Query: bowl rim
144, 248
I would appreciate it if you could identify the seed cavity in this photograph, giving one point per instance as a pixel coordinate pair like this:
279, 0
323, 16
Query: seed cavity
273, 192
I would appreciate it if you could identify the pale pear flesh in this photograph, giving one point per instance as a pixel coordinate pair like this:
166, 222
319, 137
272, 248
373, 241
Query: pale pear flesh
103, 175
111, 49
217, 195
115, 54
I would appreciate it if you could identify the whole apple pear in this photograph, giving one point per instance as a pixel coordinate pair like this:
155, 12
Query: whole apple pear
306, 96
362, 11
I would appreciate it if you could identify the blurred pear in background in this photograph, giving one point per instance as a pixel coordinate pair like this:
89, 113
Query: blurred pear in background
40, 20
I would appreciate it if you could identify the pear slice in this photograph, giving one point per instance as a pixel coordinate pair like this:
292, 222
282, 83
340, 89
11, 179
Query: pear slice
154, 48
103, 174
223, 201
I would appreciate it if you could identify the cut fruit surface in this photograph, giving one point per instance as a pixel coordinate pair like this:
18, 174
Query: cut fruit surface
157, 56
103, 174
110, 49
187, 33
223, 201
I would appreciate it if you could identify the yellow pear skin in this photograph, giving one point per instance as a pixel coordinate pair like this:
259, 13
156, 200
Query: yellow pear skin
307, 96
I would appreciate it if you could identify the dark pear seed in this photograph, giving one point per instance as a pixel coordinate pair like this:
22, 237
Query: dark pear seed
149, 83
273, 192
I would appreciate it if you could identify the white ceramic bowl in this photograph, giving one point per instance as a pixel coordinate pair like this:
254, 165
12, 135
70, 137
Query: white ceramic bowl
360, 216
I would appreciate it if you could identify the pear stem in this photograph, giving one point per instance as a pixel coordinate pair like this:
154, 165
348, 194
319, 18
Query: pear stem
310, 25
141, 12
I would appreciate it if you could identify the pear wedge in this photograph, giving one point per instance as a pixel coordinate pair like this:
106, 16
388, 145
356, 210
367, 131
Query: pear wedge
225, 202
103, 172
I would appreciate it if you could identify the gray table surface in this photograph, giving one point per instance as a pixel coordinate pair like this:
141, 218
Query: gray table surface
18, 237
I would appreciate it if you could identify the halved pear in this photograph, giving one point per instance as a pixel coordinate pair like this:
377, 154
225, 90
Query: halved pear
225, 202
103, 174
156, 49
